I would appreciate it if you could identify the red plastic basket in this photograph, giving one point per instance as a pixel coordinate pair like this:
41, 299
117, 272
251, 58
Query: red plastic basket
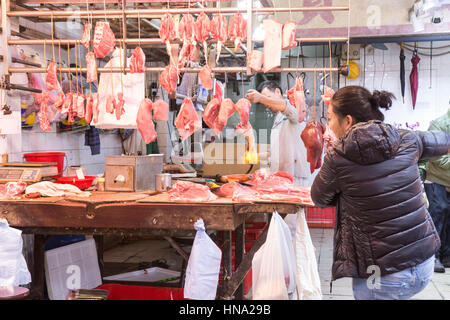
320, 218
80, 183
129, 292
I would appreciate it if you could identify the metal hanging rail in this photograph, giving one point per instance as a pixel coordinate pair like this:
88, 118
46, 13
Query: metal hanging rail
160, 69
143, 13
151, 41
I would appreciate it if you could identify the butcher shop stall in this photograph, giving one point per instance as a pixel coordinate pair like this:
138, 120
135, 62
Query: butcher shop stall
140, 159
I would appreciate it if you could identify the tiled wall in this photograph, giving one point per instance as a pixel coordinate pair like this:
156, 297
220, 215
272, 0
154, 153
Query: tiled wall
72, 144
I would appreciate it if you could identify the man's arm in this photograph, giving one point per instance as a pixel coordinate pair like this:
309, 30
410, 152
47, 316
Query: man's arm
274, 104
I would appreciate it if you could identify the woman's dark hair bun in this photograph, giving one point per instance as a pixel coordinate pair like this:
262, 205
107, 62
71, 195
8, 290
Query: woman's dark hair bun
382, 99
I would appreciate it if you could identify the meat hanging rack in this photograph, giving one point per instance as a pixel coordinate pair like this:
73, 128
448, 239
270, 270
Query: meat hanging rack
154, 13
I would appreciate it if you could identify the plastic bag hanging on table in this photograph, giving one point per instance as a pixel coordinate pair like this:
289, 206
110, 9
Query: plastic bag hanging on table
308, 280
13, 267
273, 265
202, 272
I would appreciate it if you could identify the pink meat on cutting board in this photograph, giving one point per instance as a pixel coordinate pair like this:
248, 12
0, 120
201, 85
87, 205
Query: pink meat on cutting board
190, 192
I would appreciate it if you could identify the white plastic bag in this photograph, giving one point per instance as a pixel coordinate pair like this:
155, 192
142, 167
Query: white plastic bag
202, 272
308, 280
13, 267
273, 265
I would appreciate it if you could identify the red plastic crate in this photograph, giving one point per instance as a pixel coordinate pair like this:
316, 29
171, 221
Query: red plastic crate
320, 218
129, 292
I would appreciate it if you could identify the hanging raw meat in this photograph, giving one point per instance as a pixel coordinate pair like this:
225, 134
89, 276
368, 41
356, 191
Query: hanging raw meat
312, 137
328, 95
119, 106
42, 115
219, 30
167, 33
186, 28
187, 191
91, 66
237, 30
104, 39
211, 115
187, 35
243, 108
144, 121
187, 121
227, 108
59, 101
86, 38
89, 109
110, 104
160, 110
137, 61
50, 80
205, 77
328, 139
80, 106
95, 109
66, 107
272, 44
255, 59
296, 97
168, 78
74, 106
202, 28
288, 34
187, 53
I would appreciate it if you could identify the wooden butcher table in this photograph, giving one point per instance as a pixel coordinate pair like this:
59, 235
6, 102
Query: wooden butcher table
139, 214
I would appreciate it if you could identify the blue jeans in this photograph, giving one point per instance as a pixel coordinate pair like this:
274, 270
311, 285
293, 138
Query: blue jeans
400, 285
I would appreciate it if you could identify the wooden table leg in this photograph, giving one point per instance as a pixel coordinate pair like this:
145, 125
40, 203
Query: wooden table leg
226, 261
238, 256
99, 243
38, 271
231, 286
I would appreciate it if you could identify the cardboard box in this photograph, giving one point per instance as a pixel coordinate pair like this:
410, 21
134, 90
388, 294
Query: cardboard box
228, 158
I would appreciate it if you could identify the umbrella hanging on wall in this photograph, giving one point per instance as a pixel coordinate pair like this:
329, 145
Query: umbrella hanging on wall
414, 77
402, 71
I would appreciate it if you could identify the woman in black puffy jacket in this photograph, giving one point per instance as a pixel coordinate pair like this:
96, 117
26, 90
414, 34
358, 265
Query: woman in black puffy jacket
384, 237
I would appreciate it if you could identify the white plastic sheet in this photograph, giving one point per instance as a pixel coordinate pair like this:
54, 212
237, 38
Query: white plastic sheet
202, 272
273, 265
13, 267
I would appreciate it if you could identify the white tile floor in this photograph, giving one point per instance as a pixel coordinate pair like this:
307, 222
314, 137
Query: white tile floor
149, 250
